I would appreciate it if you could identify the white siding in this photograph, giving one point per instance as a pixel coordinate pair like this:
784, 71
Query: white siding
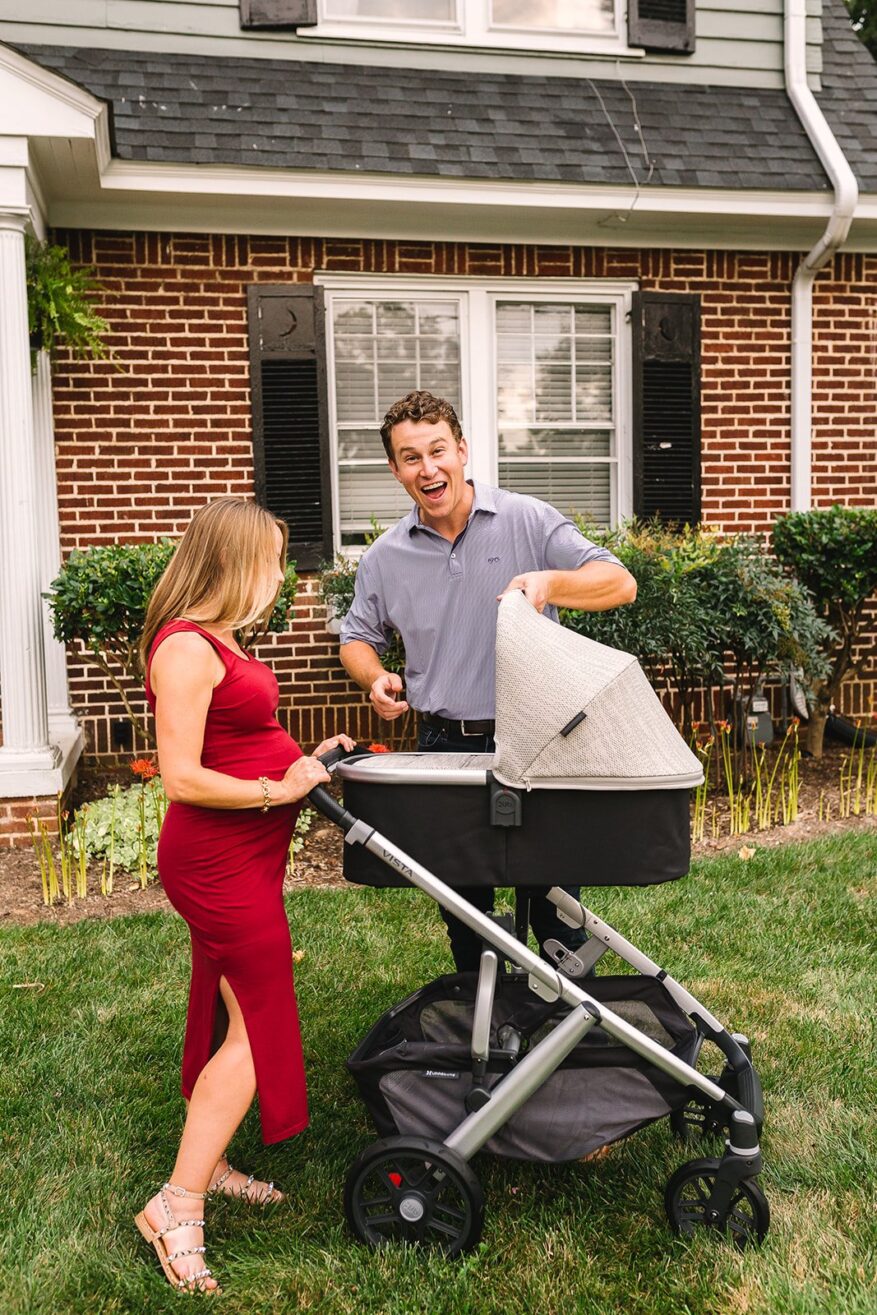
739, 42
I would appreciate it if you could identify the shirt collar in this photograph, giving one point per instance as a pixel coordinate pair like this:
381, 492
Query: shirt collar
482, 501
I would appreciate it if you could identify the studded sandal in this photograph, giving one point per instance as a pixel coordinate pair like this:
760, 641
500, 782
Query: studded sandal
271, 1196
155, 1237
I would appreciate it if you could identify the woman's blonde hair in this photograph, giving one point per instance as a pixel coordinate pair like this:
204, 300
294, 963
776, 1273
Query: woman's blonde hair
222, 573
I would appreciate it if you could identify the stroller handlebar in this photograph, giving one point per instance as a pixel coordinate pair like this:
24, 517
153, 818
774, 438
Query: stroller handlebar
320, 798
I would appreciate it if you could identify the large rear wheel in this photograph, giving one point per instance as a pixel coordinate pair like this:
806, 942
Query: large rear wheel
410, 1189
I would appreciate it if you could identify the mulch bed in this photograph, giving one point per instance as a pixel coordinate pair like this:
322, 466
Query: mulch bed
319, 863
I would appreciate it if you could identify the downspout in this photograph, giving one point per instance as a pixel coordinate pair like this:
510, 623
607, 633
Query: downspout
846, 195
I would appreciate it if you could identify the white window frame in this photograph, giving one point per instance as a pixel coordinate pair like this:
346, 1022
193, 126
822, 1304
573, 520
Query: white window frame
477, 298
473, 28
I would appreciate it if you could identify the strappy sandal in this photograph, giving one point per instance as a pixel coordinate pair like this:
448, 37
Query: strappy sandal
267, 1197
182, 1282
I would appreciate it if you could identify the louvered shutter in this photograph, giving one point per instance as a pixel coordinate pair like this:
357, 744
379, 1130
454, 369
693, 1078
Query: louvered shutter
278, 13
290, 435
666, 406
666, 25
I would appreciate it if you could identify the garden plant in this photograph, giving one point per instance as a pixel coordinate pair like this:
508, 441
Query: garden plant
100, 598
832, 551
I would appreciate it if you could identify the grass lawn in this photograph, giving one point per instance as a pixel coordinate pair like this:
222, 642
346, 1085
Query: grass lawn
781, 947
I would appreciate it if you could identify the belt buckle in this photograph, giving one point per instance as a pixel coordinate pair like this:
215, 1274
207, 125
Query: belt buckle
470, 734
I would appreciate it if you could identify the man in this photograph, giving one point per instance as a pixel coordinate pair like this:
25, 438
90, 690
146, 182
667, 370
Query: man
436, 577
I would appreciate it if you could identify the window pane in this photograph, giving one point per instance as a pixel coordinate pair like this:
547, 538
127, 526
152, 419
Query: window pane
382, 350
366, 492
573, 490
554, 363
555, 375
567, 15
429, 11
555, 443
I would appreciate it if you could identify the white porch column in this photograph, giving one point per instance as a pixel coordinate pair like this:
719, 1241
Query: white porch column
61, 717
27, 759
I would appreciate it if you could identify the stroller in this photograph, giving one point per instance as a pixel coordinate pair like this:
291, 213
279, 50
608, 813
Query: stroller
529, 1058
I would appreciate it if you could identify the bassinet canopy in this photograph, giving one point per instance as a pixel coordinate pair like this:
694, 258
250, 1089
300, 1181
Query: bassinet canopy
546, 678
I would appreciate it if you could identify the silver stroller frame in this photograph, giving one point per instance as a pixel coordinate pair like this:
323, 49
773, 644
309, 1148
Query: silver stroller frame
439, 1199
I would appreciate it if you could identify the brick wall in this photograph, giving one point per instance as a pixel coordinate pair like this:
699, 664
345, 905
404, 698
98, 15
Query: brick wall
144, 441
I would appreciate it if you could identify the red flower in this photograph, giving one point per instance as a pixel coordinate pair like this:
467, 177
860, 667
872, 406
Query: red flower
145, 769
378, 748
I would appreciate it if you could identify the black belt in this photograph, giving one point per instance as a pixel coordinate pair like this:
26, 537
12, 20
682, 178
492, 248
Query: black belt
464, 727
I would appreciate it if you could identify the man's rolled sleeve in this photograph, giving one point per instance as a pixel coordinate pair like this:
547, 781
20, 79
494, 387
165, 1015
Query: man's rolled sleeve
567, 549
366, 621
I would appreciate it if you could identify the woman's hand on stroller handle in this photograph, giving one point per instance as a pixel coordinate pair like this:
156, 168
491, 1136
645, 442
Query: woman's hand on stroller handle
335, 750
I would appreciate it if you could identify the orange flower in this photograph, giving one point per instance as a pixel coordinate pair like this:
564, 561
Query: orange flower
378, 748
143, 768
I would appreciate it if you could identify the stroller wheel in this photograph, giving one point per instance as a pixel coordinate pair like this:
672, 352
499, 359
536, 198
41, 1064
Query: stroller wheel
410, 1189
687, 1197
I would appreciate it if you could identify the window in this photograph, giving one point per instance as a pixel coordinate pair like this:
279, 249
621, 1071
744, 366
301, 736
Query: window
538, 373
565, 25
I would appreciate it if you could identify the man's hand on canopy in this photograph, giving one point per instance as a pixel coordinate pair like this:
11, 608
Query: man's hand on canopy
536, 587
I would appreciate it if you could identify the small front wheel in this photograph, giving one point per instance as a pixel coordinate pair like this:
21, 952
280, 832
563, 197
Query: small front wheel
411, 1189
687, 1203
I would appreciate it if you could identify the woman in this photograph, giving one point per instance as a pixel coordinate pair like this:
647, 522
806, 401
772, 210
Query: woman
235, 780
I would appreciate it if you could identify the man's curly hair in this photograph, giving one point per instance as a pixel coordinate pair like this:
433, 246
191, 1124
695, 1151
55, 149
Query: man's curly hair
419, 405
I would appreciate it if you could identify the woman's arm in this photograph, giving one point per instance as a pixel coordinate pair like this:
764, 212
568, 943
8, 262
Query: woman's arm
183, 675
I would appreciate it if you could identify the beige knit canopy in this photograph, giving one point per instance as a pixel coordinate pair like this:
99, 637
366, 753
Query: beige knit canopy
546, 678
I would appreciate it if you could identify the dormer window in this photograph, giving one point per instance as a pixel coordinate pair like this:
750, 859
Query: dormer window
564, 26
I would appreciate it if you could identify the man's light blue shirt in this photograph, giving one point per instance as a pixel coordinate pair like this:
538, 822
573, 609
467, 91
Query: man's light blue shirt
442, 596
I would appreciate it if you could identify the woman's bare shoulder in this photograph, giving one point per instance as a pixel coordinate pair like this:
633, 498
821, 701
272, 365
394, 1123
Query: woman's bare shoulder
186, 654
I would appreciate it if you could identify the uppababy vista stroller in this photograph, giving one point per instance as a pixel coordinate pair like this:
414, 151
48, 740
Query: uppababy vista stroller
590, 781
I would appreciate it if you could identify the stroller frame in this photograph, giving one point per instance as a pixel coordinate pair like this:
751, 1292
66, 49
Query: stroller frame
733, 1102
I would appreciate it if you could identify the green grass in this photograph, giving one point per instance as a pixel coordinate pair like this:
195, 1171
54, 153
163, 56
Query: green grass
781, 947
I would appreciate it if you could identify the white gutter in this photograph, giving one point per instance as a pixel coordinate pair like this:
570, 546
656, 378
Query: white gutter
846, 195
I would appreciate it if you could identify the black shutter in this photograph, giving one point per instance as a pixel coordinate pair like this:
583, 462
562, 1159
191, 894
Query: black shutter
666, 406
278, 13
290, 435
666, 25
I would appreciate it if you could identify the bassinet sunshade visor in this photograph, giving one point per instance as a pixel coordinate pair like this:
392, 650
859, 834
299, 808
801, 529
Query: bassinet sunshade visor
547, 677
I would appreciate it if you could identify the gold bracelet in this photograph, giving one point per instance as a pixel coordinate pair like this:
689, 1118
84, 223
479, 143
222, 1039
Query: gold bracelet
266, 794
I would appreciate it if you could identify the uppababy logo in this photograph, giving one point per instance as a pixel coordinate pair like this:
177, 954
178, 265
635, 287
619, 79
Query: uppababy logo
434, 1073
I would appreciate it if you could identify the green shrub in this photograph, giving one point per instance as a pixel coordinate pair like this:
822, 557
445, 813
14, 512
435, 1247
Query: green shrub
704, 605
832, 551
100, 598
123, 827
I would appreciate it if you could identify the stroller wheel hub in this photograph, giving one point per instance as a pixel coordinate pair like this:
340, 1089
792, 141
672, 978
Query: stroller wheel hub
412, 1209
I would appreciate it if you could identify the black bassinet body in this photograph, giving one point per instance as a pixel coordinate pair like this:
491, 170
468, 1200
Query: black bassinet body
440, 809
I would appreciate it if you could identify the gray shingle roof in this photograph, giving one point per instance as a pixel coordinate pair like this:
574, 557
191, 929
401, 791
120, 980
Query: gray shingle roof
287, 114
849, 92
295, 114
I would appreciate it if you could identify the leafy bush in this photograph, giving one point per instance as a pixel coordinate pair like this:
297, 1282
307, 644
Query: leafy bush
832, 551
704, 603
100, 598
123, 827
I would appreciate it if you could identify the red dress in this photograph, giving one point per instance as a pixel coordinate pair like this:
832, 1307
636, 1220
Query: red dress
222, 870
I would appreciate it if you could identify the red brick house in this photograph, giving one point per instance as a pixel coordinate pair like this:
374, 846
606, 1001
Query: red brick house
637, 246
